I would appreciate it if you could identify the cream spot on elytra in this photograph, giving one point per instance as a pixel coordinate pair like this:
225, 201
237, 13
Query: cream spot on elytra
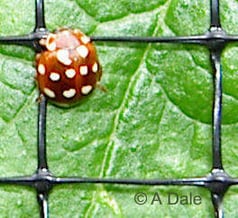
54, 76
49, 93
62, 56
86, 89
41, 69
95, 67
69, 93
83, 70
82, 51
70, 73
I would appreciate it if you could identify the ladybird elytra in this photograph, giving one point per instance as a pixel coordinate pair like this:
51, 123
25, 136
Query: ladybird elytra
68, 67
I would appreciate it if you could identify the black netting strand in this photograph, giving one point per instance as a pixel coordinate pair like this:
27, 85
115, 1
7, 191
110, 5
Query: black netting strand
217, 110
42, 161
217, 182
40, 16
215, 13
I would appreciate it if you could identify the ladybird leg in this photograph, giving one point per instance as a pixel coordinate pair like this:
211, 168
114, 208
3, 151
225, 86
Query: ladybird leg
101, 87
39, 98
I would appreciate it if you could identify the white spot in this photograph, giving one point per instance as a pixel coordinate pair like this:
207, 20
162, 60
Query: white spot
69, 93
62, 56
54, 76
95, 67
41, 69
86, 89
49, 93
83, 70
85, 39
70, 73
50, 42
82, 51
76, 31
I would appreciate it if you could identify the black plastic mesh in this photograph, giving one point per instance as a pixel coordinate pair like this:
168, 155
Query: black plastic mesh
217, 182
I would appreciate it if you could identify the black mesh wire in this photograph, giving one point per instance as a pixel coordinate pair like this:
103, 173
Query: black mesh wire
217, 182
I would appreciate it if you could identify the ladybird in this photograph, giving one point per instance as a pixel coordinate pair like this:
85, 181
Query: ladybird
68, 68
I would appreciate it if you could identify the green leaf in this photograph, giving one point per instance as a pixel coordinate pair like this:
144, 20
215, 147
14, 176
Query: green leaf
153, 122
